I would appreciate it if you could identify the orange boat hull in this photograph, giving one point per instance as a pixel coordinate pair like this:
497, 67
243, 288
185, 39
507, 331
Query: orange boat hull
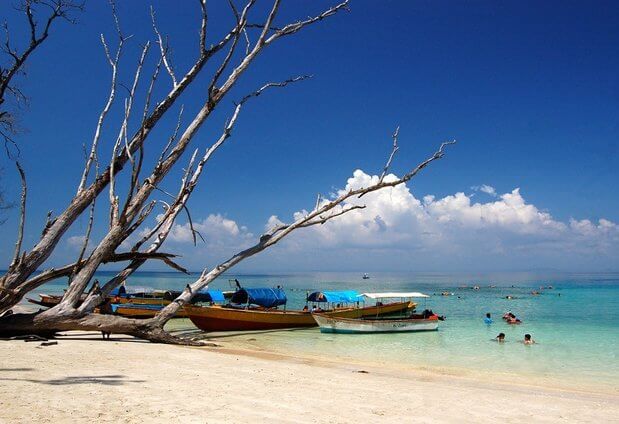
216, 318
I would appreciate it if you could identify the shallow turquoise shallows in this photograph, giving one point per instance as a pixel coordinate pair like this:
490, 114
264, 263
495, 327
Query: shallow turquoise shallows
575, 324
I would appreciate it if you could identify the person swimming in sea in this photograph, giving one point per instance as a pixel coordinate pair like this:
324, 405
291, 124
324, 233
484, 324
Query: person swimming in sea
511, 318
528, 340
500, 338
488, 319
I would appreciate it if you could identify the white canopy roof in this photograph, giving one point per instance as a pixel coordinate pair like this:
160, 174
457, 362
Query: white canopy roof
394, 294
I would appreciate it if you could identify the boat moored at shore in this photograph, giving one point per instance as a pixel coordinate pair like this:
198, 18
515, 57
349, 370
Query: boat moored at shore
427, 321
331, 324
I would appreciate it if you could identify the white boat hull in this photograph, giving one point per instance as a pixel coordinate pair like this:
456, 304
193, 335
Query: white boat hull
359, 326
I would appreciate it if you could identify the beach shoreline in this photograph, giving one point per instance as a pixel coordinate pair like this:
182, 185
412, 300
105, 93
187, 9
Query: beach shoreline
85, 378
464, 375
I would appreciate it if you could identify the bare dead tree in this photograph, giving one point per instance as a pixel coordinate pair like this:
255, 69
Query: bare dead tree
75, 311
14, 66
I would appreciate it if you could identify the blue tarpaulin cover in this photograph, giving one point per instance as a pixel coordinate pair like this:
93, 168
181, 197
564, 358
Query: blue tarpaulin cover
266, 297
210, 296
115, 306
345, 296
118, 291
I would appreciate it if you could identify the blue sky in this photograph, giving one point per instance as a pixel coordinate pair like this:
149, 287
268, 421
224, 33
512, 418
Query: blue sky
529, 90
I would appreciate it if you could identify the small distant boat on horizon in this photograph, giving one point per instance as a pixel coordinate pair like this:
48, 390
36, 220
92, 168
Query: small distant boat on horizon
366, 276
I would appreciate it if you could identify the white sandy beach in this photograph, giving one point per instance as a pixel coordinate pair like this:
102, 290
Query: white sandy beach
86, 379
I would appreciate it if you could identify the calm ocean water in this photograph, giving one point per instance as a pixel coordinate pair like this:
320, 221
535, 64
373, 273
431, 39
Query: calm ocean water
576, 324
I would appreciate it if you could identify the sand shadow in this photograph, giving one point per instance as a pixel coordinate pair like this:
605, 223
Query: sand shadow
15, 369
106, 380
201, 335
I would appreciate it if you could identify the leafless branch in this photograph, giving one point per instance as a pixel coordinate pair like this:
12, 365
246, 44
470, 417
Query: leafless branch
241, 20
122, 138
149, 93
60, 9
22, 216
144, 213
295, 27
64, 271
163, 48
393, 152
322, 219
113, 61
172, 138
318, 200
86, 236
273, 84
203, 26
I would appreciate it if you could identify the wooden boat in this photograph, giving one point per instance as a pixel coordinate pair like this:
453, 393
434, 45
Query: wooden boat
134, 310
143, 311
221, 318
331, 324
135, 295
427, 321
394, 308
46, 300
121, 294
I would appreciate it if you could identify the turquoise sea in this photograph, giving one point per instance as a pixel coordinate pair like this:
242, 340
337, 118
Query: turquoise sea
575, 324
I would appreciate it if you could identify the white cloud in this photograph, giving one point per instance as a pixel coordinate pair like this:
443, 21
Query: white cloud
76, 242
216, 229
398, 231
453, 230
488, 190
485, 188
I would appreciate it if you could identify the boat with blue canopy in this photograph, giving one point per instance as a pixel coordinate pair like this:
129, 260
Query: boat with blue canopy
250, 309
351, 304
426, 321
342, 297
265, 297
